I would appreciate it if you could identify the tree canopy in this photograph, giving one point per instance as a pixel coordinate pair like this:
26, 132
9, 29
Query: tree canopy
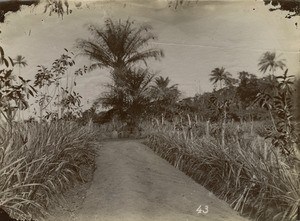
292, 6
119, 45
220, 75
270, 61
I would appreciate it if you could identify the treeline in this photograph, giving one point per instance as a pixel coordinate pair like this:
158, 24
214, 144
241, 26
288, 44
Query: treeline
247, 98
244, 101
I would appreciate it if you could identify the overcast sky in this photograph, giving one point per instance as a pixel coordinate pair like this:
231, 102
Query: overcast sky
196, 39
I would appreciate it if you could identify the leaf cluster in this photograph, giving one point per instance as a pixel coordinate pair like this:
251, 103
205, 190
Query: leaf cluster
13, 95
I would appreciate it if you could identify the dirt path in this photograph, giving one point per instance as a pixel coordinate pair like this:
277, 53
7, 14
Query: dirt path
131, 183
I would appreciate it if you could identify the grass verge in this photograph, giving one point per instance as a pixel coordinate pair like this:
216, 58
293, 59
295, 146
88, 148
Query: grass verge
252, 177
40, 161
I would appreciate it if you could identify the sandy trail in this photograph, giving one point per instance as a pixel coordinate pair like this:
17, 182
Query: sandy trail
131, 183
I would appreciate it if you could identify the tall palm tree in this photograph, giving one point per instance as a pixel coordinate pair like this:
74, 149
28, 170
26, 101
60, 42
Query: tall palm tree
119, 45
220, 75
269, 61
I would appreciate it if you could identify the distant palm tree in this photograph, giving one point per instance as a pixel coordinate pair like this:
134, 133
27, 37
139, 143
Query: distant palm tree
269, 61
20, 62
119, 45
220, 75
164, 96
162, 90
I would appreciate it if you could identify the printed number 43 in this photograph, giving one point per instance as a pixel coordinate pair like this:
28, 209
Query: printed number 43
200, 210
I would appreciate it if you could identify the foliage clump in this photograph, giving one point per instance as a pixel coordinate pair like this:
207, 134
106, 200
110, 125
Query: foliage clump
38, 161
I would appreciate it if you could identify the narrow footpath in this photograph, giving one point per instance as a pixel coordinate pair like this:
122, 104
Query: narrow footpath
132, 183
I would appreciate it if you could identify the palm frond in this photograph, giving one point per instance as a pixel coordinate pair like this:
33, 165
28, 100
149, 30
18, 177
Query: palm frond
119, 44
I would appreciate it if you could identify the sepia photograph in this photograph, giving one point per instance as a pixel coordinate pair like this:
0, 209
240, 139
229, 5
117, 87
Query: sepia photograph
149, 110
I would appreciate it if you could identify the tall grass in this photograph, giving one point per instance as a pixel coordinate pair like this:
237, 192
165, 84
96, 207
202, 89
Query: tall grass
38, 161
249, 173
